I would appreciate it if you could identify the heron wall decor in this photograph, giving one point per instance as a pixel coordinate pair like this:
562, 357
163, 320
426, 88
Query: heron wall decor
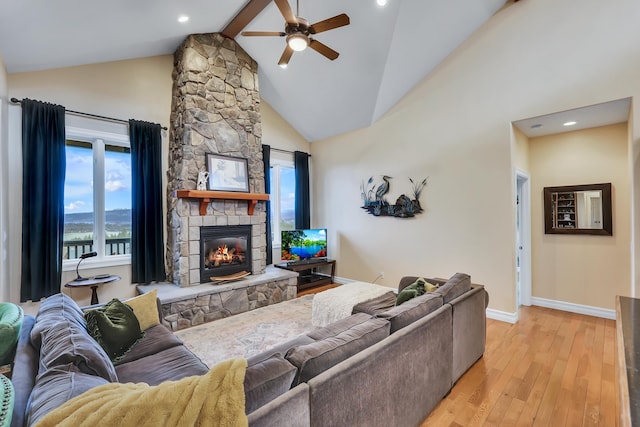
376, 204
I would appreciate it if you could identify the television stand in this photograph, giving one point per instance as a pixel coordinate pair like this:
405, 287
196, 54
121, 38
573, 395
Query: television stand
308, 274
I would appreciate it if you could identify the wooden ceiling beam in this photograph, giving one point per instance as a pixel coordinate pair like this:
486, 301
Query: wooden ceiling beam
242, 19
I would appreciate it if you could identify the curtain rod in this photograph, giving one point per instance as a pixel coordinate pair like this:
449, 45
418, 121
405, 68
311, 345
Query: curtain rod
286, 151
80, 113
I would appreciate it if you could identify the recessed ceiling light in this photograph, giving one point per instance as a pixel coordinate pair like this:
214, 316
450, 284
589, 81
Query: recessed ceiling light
183, 18
536, 126
569, 123
381, 2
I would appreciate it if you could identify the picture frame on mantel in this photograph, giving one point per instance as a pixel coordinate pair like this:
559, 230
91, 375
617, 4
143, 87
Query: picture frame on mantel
227, 173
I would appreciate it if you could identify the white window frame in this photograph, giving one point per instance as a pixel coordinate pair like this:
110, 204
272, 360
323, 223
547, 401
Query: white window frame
98, 140
278, 160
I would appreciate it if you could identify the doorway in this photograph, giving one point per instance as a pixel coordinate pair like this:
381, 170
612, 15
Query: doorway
523, 238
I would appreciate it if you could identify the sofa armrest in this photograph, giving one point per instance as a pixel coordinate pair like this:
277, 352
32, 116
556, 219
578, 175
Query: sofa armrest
25, 369
288, 409
469, 329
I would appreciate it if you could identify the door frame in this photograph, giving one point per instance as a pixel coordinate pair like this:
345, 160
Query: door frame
523, 187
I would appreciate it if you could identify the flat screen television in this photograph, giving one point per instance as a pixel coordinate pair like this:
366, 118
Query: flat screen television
304, 245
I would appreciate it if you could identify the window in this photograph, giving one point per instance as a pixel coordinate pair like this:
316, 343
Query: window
97, 197
283, 185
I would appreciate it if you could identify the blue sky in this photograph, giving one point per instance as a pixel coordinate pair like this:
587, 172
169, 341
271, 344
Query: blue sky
287, 188
318, 234
78, 186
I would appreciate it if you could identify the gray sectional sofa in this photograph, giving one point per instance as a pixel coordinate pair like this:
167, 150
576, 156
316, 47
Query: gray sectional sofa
368, 378
381, 366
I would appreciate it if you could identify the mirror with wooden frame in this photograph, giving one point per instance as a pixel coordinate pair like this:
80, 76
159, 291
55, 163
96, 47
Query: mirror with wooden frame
578, 209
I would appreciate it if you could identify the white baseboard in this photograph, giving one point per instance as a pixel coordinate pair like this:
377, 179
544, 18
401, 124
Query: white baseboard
342, 280
502, 316
574, 308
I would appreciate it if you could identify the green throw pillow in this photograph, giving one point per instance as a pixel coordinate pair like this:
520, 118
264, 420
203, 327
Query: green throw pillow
417, 288
115, 327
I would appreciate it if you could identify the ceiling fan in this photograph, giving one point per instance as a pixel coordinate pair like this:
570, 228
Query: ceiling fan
298, 32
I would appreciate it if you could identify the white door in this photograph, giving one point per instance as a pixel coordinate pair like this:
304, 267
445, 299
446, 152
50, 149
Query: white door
596, 211
523, 239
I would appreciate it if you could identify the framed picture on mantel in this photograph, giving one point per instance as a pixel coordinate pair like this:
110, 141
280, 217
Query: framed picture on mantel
227, 173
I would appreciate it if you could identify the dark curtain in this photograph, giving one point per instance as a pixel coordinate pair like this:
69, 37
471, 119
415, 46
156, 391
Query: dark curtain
43, 171
303, 200
147, 242
266, 158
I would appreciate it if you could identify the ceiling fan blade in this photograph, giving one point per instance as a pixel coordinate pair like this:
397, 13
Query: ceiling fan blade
286, 11
323, 49
329, 24
242, 19
286, 56
263, 33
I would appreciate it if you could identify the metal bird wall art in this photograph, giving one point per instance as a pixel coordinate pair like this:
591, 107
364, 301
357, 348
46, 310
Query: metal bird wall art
376, 204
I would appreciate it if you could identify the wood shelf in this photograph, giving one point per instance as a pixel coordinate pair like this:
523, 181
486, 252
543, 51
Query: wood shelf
564, 210
309, 278
206, 197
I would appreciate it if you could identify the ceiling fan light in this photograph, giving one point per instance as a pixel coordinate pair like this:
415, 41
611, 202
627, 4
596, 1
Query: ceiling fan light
297, 42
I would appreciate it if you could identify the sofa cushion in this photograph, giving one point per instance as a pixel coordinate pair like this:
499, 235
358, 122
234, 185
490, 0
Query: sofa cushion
266, 380
279, 349
156, 339
52, 309
338, 326
115, 327
168, 365
457, 285
377, 305
56, 386
412, 310
312, 359
67, 343
417, 288
145, 308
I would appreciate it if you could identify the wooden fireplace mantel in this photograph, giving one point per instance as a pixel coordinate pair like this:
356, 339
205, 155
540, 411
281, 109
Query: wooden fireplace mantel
206, 196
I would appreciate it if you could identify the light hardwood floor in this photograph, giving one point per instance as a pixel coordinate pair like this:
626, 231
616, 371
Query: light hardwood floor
552, 368
317, 289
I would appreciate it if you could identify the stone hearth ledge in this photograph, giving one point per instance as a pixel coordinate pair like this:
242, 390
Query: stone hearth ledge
183, 307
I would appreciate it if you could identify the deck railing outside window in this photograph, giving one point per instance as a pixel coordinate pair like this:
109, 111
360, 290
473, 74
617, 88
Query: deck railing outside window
74, 248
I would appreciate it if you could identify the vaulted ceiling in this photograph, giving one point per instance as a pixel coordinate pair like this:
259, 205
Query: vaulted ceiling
384, 52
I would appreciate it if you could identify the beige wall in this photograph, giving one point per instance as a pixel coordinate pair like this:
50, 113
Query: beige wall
581, 269
140, 89
4, 272
277, 133
520, 150
530, 59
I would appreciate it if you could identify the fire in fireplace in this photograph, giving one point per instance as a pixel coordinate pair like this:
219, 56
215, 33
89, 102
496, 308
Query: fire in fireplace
224, 250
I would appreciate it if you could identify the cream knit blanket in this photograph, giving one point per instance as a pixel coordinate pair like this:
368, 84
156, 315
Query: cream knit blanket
213, 399
337, 303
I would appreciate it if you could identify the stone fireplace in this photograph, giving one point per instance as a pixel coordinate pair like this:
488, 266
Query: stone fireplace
215, 109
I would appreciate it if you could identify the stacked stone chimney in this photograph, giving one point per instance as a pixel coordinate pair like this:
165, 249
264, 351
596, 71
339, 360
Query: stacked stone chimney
215, 109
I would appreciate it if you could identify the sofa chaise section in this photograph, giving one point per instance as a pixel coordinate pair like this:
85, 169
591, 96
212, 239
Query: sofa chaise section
395, 382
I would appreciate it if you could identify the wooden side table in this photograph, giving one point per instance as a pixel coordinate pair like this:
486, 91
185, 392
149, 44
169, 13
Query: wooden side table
93, 283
